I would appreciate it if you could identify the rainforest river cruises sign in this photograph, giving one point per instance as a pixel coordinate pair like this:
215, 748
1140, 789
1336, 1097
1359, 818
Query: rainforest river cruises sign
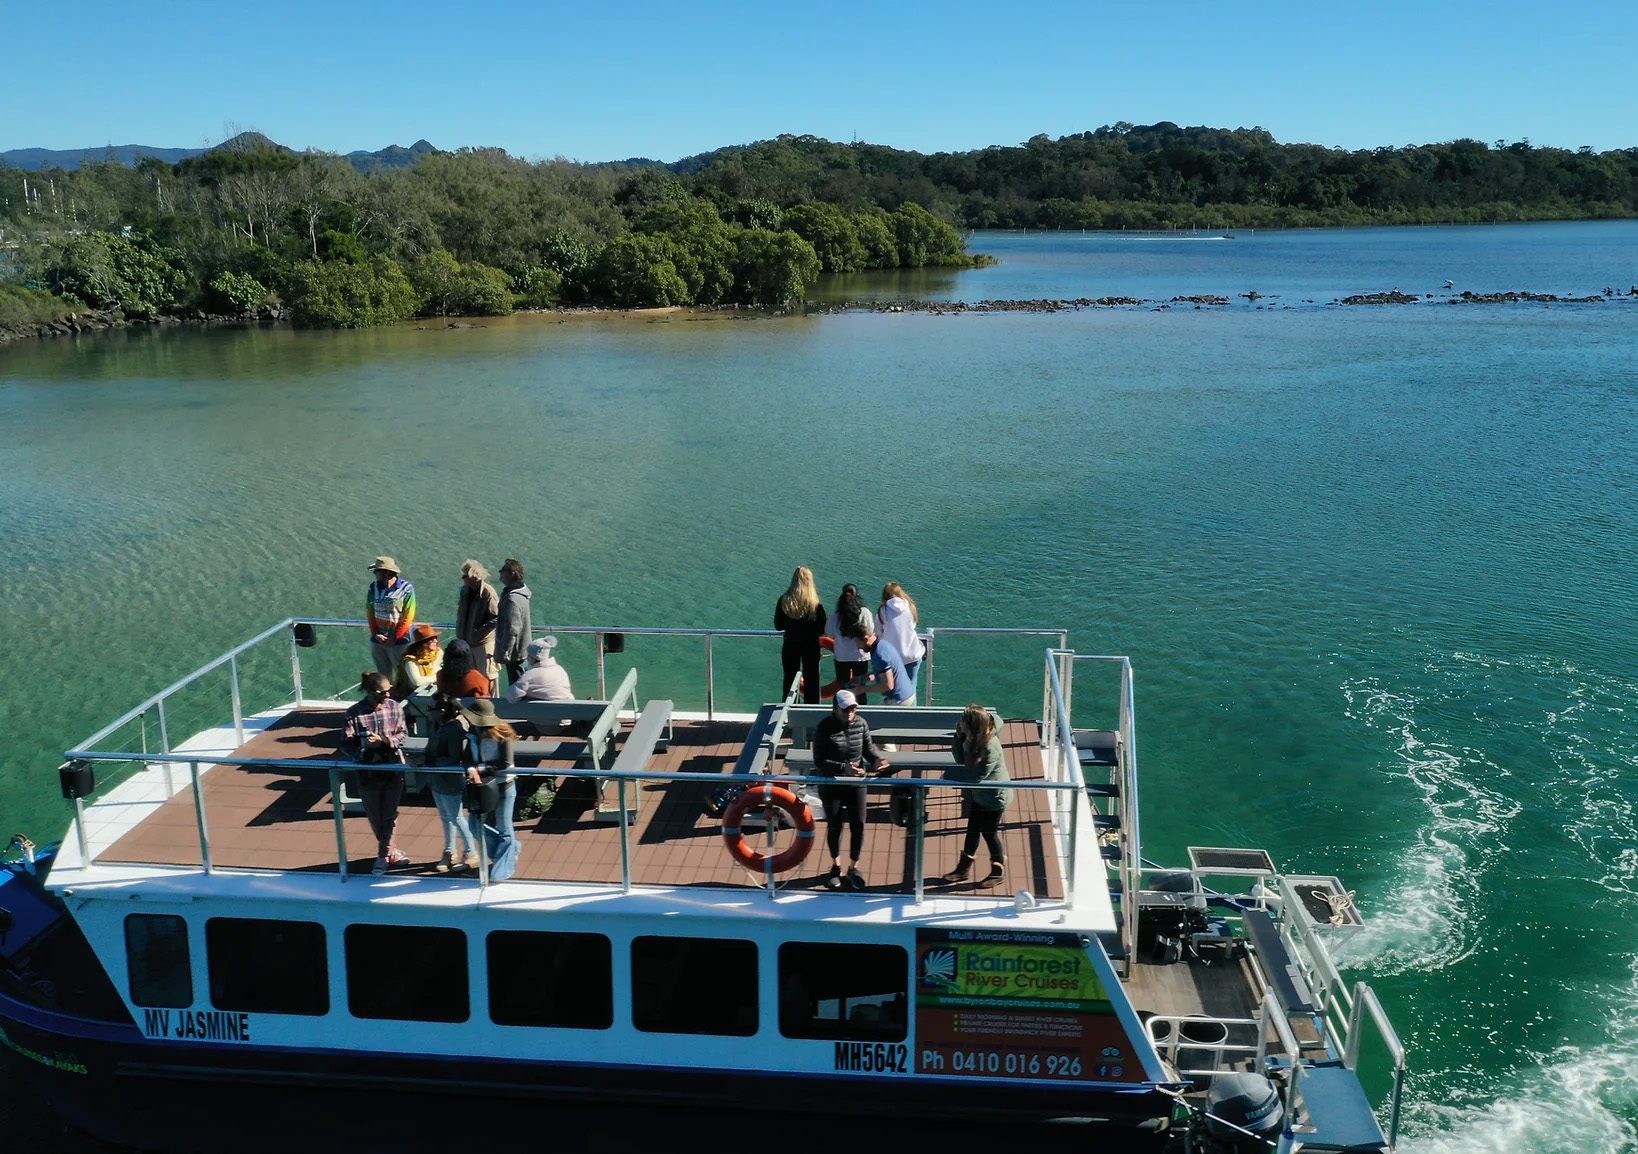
1014, 1004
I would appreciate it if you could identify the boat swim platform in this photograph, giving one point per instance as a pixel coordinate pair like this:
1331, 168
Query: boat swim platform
269, 817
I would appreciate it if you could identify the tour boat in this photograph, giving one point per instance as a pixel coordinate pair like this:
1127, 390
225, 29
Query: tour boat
206, 962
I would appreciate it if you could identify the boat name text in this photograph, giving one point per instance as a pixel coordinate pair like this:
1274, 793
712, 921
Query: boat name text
200, 1025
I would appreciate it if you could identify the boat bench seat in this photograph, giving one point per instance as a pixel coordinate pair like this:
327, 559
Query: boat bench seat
918, 723
648, 734
758, 749
1279, 969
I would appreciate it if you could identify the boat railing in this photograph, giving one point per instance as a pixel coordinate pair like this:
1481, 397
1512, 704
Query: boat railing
196, 764
1113, 815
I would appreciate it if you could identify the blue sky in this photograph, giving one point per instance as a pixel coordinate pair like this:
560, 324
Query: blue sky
612, 79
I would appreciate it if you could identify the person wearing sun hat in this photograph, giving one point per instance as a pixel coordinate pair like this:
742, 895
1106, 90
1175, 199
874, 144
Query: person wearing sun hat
418, 671
389, 607
490, 745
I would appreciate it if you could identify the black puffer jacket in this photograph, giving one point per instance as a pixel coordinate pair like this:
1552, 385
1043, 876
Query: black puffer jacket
840, 741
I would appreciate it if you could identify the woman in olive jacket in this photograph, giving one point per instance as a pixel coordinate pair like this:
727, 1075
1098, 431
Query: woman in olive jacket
979, 758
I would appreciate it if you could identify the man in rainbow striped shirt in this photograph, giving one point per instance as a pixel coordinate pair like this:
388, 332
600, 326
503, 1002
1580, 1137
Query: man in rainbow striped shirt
390, 608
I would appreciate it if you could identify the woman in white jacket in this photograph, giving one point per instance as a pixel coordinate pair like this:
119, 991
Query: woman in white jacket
897, 618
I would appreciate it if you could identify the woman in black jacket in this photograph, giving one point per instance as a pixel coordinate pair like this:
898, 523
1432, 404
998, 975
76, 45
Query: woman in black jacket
800, 615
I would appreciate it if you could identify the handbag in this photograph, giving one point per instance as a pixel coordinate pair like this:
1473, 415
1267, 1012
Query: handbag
482, 796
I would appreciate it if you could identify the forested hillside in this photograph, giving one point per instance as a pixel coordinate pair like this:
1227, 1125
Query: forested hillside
476, 232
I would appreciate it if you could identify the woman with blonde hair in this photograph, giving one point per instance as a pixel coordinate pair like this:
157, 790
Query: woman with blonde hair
897, 622
979, 758
800, 615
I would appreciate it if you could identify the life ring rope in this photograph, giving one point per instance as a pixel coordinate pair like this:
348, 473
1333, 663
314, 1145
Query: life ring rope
766, 794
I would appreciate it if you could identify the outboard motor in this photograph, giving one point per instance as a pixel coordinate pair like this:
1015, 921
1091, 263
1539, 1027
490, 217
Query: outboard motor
1250, 1102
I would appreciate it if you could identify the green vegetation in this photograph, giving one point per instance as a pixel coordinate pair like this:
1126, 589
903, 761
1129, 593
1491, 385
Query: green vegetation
477, 232
21, 306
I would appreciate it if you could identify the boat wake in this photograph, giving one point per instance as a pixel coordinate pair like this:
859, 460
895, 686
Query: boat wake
1423, 923
1575, 742
1571, 1099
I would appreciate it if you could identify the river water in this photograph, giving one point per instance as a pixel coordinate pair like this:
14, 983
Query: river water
1373, 565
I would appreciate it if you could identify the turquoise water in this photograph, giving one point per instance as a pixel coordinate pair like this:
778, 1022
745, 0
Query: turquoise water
1373, 566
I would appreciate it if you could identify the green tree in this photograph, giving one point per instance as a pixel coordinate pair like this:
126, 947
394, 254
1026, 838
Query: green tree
637, 270
339, 294
832, 234
774, 268
436, 278
484, 291
875, 235
106, 271
236, 292
924, 239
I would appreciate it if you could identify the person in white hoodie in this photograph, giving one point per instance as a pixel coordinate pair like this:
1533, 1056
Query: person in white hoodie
896, 621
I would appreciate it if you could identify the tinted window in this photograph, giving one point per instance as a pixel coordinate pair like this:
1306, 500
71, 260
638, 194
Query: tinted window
156, 960
413, 973
693, 986
543, 979
843, 991
267, 967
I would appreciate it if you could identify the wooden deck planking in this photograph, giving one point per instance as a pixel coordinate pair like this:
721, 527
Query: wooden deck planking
263, 818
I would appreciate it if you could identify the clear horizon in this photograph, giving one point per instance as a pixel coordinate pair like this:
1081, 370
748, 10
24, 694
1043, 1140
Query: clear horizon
633, 79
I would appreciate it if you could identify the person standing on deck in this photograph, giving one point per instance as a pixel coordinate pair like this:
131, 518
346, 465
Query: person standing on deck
512, 630
800, 616
390, 611
842, 748
980, 758
447, 748
490, 747
476, 613
848, 625
896, 620
373, 733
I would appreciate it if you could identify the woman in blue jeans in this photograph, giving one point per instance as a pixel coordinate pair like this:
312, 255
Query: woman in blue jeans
489, 758
447, 748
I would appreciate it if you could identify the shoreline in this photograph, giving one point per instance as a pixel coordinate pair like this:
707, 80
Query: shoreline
95, 321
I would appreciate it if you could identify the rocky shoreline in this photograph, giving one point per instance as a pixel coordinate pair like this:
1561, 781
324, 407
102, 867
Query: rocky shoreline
94, 320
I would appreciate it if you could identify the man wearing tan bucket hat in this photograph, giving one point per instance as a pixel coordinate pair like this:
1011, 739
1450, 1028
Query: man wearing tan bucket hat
390, 610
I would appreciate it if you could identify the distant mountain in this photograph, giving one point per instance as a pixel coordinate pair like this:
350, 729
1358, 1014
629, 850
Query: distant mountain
129, 154
393, 156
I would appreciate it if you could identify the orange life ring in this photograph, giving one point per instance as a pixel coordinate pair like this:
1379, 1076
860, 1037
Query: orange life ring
767, 793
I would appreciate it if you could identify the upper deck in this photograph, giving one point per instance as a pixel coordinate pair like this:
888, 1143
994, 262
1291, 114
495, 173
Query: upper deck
280, 817
255, 796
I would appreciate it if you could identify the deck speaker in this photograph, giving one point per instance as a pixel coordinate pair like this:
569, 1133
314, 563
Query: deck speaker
306, 636
78, 779
614, 643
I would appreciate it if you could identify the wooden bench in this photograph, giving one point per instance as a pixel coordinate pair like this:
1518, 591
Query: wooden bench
799, 762
763, 741
646, 737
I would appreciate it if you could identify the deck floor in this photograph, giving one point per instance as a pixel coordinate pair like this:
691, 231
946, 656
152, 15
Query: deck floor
271, 818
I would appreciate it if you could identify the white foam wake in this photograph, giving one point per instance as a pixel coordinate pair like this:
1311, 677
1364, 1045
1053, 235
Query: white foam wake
1422, 923
1572, 1100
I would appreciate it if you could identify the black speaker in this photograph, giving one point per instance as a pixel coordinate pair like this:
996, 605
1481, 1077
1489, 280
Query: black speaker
614, 643
306, 636
78, 779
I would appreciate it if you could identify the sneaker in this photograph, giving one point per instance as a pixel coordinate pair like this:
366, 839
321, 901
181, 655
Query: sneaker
855, 879
833, 880
380, 866
397, 857
471, 861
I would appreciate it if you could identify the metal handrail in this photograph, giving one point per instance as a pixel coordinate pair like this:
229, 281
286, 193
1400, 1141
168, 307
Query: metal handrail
1365, 999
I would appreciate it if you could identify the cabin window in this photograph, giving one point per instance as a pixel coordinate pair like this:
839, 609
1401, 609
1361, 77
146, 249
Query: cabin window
694, 986
267, 967
407, 973
550, 979
157, 961
843, 992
